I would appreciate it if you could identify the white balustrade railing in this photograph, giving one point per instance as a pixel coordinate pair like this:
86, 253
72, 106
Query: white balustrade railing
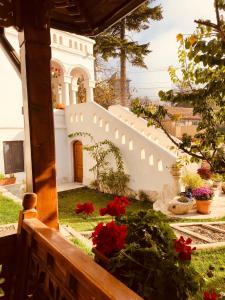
156, 135
75, 43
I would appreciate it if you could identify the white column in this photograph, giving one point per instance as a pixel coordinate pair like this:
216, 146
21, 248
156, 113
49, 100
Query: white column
67, 81
89, 90
60, 93
74, 89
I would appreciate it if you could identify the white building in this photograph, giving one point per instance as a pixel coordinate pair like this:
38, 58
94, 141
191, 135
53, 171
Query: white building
146, 151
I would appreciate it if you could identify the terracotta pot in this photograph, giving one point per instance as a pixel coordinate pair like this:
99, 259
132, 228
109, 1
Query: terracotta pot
60, 105
203, 206
7, 181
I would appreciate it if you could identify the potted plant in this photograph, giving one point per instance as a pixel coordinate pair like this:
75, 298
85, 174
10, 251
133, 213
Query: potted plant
203, 197
6, 180
191, 181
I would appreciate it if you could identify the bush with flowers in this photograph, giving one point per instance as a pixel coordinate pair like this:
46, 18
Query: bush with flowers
143, 252
203, 193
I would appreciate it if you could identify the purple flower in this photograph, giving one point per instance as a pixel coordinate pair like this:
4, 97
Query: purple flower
202, 193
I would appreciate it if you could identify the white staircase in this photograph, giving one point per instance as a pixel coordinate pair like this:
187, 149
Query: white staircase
145, 150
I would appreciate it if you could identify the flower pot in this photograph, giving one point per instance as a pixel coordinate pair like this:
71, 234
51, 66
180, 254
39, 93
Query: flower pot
180, 208
203, 206
60, 106
7, 181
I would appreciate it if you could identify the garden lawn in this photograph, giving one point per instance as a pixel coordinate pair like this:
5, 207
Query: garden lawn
68, 201
203, 260
9, 210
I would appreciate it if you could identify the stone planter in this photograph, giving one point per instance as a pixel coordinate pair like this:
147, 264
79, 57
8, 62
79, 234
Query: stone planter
7, 180
180, 208
203, 206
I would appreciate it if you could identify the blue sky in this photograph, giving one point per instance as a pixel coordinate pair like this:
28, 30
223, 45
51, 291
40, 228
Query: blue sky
179, 16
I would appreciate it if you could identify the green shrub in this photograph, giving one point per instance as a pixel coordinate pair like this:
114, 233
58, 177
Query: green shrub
192, 180
2, 176
143, 196
149, 265
114, 182
217, 177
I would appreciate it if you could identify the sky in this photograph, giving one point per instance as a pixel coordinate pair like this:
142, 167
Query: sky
178, 17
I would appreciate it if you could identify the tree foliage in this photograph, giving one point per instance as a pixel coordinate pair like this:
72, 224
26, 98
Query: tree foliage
202, 60
116, 42
109, 43
104, 93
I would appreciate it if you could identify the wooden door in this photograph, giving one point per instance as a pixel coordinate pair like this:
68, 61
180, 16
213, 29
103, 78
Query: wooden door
78, 161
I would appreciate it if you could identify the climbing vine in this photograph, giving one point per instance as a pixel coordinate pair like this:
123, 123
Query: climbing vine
107, 178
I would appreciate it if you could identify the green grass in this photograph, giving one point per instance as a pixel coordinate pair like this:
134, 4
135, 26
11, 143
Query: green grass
202, 259
68, 200
83, 247
9, 210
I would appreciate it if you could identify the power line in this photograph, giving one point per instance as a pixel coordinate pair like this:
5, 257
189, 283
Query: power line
153, 88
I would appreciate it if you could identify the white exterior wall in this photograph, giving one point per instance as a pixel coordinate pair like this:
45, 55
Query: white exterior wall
11, 119
147, 162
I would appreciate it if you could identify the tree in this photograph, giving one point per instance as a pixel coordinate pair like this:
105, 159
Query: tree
104, 93
202, 58
116, 43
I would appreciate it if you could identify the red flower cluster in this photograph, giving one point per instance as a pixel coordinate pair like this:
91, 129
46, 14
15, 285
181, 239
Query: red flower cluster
209, 296
205, 173
183, 247
115, 208
86, 208
109, 238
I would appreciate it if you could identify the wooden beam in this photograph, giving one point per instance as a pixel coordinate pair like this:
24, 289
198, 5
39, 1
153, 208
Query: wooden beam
35, 50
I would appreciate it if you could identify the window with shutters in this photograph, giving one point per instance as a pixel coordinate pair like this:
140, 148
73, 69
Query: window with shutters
13, 156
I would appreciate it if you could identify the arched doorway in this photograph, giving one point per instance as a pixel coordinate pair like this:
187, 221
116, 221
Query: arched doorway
80, 84
56, 83
78, 161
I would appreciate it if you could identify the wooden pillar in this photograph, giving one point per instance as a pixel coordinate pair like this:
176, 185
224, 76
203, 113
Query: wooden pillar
35, 53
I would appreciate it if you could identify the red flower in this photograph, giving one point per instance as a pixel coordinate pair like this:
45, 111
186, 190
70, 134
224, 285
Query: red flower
209, 296
86, 208
115, 208
109, 238
182, 247
121, 200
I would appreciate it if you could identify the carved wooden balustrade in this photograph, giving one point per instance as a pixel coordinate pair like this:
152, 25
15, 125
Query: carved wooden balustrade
49, 267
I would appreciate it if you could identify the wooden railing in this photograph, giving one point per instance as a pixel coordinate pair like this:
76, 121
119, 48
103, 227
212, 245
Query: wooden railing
50, 267
7, 263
